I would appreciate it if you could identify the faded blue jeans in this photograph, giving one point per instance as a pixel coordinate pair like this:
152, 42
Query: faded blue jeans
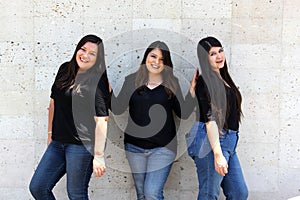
59, 159
233, 183
150, 169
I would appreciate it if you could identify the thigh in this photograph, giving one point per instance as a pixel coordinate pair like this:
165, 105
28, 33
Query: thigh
137, 158
233, 184
79, 169
160, 158
155, 182
51, 167
158, 169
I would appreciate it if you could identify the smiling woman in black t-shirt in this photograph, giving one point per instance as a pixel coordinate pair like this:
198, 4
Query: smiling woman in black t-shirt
152, 95
213, 139
77, 123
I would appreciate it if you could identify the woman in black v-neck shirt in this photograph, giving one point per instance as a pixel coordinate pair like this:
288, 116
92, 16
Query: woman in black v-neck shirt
152, 95
77, 123
213, 139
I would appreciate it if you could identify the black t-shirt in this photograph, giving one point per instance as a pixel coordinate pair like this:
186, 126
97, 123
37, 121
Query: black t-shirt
75, 108
204, 113
151, 122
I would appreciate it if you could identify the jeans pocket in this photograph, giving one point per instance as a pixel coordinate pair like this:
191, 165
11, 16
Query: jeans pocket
190, 142
194, 139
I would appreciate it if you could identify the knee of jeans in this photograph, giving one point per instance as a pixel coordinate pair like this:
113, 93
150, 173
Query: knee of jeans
37, 189
33, 188
243, 194
77, 194
207, 196
151, 194
239, 194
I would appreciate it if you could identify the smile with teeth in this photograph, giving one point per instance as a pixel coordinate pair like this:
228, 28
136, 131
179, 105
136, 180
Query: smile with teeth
85, 61
155, 66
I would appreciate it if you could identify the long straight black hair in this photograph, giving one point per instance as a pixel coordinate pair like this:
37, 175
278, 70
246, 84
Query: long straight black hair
203, 48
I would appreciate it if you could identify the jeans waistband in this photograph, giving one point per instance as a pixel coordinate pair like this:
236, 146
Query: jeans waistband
201, 125
229, 131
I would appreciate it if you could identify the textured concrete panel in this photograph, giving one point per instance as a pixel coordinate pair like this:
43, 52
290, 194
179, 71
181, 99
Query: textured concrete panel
157, 9
261, 41
206, 9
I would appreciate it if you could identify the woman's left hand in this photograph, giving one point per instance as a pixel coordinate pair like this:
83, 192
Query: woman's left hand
99, 166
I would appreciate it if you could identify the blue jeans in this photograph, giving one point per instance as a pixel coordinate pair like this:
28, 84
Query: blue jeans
150, 169
233, 183
59, 159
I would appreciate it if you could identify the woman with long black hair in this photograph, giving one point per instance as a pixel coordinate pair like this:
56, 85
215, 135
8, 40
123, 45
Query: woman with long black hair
213, 139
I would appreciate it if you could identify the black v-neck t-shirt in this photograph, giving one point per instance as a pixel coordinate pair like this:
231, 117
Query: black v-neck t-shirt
151, 121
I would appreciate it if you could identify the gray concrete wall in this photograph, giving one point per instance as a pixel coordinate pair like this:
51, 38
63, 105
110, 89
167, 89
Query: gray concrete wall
262, 45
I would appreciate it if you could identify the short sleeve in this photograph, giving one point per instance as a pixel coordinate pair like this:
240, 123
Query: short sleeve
102, 97
59, 74
203, 97
52, 94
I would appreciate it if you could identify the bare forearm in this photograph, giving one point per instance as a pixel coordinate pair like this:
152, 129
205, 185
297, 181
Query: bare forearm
213, 136
50, 120
100, 136
220, 162
50, 115
100, 139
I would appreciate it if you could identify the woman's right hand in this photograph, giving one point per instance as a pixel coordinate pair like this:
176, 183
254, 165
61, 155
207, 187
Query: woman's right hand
221, 165
99, 166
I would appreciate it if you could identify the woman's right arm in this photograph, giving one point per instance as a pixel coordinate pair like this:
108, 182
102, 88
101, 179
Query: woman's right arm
212, 128
221, 165
50, 119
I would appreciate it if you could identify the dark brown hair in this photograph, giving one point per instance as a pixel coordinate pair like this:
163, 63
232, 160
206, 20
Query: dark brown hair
68, 71
169, 80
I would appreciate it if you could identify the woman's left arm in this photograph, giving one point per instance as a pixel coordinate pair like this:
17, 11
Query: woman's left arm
101, 118
100, 140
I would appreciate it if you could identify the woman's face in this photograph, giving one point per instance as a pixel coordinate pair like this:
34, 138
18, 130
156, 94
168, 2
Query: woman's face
155, 61
86, 56
216, 58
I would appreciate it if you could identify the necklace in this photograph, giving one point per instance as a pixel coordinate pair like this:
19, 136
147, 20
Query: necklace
152, 85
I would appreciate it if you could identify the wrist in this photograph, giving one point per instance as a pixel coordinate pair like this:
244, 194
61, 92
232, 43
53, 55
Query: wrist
218, 154
49, 132
100, 159
217, 151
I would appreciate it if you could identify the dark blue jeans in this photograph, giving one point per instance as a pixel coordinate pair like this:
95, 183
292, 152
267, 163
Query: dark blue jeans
73, 160
233, 183
150, 169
